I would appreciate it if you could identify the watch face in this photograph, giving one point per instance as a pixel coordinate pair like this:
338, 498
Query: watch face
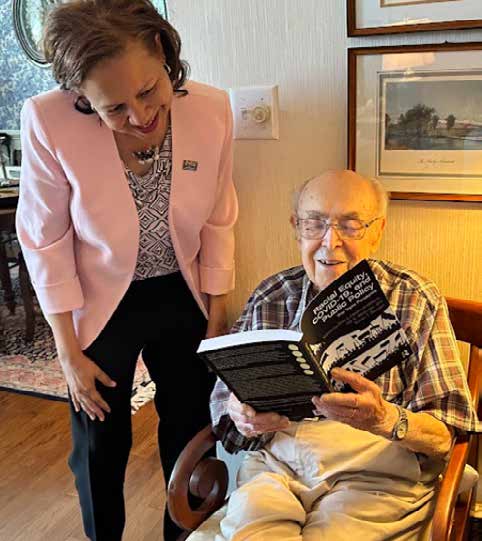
401, 427
401, 430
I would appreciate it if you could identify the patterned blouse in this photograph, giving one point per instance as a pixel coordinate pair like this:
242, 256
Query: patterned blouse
431, 380
156, 256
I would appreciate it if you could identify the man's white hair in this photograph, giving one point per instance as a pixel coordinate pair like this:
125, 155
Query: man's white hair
381, 195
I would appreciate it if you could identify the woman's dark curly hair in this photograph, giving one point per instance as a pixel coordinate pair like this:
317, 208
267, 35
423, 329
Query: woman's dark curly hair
81, 33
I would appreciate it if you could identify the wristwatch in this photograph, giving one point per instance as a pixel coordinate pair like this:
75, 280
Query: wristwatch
401, 426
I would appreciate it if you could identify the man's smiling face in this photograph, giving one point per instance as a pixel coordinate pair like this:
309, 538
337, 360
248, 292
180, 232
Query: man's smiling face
337, 196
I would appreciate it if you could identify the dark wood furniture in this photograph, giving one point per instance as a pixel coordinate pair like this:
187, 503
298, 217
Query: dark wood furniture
207, 478
7, 226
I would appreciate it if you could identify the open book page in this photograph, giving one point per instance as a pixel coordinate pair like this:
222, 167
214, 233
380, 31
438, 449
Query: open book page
350, 324
271, 370
249, 337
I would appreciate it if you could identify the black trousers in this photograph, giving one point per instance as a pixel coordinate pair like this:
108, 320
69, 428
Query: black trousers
160, 317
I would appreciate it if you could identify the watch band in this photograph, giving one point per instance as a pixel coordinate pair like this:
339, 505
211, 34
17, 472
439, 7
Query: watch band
401, 426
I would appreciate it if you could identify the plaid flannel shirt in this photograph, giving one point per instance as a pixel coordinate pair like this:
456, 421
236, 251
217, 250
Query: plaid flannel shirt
431, 380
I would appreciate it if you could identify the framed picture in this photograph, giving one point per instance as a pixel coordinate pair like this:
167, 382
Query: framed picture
161, 7
369, 17
28, 19
415, 121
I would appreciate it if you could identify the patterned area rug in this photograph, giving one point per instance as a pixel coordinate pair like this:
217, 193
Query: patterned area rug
33, 368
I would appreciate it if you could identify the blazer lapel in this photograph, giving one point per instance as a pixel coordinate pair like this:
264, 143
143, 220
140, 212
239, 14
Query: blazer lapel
187, 167
186, 159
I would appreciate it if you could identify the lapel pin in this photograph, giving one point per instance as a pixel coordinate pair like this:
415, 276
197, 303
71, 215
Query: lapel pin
189, 165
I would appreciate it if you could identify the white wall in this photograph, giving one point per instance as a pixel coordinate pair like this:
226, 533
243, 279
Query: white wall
301, 45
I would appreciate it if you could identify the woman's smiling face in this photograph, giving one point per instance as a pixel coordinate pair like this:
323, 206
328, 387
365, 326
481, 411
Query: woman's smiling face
131, 92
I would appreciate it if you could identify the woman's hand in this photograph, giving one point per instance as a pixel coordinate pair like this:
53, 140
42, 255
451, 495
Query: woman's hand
364, 409
218, 321
251, 424
81, 373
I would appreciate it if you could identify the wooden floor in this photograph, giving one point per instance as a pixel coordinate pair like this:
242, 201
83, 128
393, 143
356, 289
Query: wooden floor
38, 501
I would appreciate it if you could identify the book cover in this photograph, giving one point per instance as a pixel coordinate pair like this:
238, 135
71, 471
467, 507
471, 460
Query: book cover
348, 324
351, 325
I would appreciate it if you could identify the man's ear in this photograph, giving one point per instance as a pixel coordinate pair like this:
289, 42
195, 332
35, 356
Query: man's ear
293, 225
378, 234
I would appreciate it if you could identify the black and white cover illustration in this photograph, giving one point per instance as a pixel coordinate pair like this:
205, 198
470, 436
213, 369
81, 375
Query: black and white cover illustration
350, 324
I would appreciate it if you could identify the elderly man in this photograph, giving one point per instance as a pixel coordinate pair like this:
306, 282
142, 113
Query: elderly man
366, 469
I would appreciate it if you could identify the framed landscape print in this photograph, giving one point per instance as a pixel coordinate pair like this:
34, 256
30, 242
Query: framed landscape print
415, 119
368, 17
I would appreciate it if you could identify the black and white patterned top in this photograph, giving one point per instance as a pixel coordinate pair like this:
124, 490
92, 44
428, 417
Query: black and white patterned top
156, 256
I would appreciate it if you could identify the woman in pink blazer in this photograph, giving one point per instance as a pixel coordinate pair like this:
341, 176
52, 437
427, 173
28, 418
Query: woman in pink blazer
125, 218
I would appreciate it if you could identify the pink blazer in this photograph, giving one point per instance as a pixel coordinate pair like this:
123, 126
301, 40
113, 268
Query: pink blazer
76, 219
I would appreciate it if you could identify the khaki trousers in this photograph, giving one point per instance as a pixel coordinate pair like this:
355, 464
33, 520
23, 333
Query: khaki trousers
325, 480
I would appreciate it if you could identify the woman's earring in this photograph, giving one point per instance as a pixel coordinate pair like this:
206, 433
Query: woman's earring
167, 67
83, 105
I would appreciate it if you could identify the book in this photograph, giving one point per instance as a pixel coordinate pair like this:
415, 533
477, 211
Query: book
349, 324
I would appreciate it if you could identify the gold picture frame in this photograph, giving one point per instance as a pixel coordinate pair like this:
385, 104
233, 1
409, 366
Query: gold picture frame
374, 17
414, 121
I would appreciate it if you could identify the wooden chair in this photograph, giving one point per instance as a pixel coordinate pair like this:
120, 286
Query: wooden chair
5, 265
2, 333
7, 226
451, 517
207, 478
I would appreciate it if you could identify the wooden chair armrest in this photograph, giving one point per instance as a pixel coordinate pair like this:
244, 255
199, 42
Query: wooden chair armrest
447, 494
205, 478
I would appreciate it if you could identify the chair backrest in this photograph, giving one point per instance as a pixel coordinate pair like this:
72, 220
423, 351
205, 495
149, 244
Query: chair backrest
466, 318
450, 520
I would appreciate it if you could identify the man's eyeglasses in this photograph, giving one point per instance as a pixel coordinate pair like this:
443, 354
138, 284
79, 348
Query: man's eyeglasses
348, 228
